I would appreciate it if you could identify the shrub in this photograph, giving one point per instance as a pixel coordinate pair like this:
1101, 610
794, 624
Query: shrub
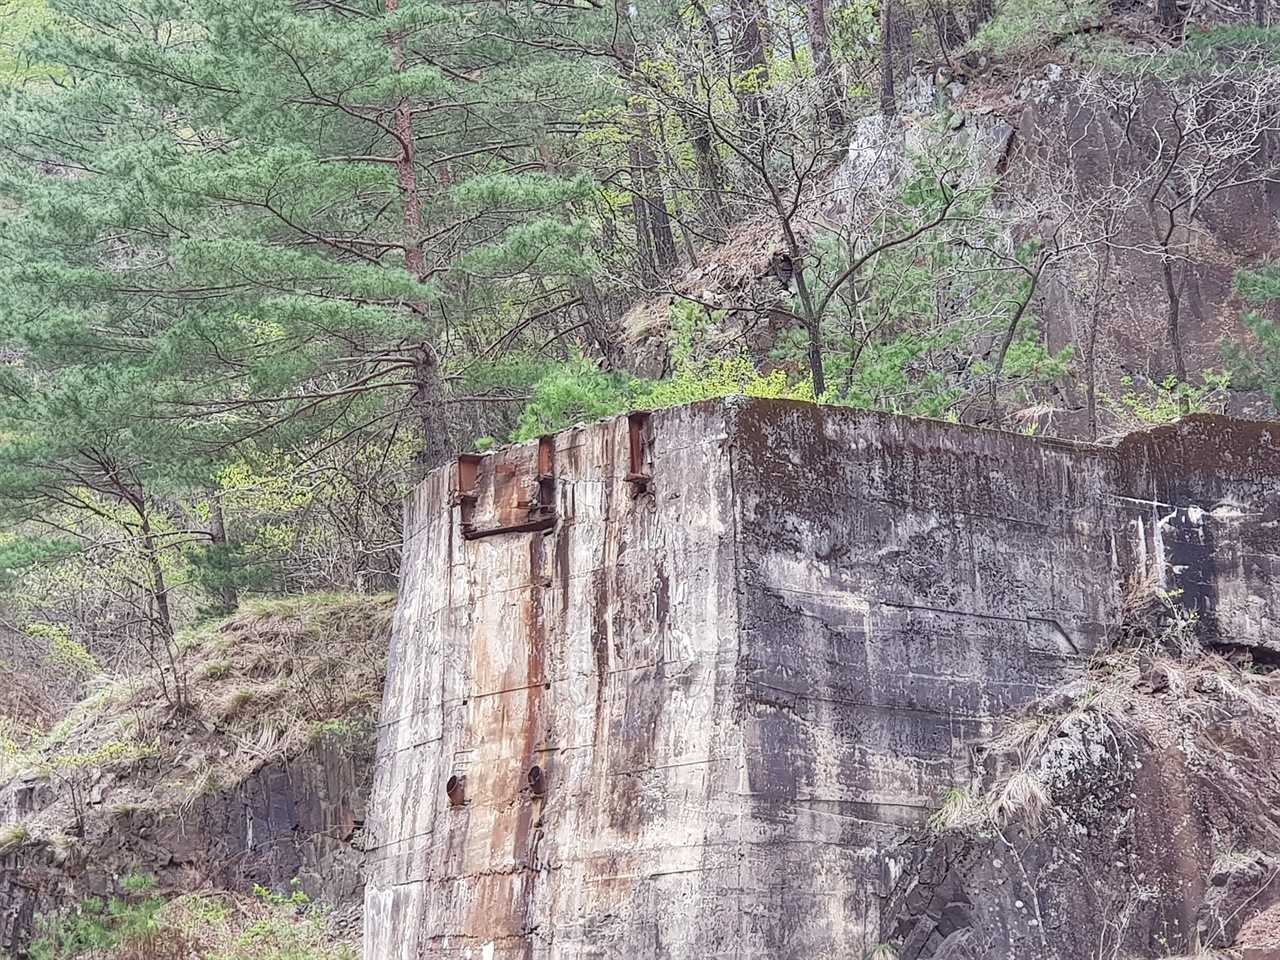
1150, 403
705, 379
129, 927
12, 837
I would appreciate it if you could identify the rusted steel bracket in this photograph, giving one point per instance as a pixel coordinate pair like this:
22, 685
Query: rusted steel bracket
540, 511
527, 526
640, 432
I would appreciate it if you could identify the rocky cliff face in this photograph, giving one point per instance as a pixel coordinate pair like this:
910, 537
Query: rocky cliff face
1083, 162
1147, 198
262, 781
300, 818
1133, 814
695, 683
1144, 189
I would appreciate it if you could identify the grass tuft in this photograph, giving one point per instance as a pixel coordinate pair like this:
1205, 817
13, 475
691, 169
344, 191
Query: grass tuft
1023, 798
216, 670
13, 837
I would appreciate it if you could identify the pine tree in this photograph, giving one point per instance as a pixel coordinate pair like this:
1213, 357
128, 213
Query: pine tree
83, 468
287, 210
1258, 367
238, 233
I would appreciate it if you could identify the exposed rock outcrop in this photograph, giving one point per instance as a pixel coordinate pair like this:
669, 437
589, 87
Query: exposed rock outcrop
297, 818
263, 780
1138, 820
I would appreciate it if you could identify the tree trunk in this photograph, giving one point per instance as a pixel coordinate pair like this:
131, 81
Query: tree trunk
1270, 148
428, 404
813, 328
640, 213
945, 24
828, 78
983, 11
160, 616
1167, 13
406, 170
218, 535
710, 208
1091, 345
427, 400
888, 99
748, 39
647, 184
1164, 234
745, 20
810, 311
598, 325
1011, 332
1175, 314
655, 240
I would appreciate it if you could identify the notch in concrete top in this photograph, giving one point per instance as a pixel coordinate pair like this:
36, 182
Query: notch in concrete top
468, 481
640, 432
536, 511
545, 503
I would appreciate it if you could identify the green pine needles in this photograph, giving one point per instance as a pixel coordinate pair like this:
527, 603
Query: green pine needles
1258, 367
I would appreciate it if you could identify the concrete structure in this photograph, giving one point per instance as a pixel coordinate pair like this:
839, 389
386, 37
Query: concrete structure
687, 685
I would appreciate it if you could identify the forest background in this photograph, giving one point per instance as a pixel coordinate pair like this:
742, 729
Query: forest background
262, 265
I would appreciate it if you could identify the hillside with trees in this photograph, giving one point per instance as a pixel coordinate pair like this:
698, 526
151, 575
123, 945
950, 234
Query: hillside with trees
263, 266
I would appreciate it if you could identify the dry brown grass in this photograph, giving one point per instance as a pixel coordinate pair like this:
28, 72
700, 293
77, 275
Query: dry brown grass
646, 318
1152, 691
1022, 798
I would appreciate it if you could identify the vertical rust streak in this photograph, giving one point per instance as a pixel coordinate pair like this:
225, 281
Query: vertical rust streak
529, 831
640, 436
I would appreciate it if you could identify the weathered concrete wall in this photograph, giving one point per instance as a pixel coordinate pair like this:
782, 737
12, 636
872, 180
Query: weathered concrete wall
903, 582
1197, 507
746, 682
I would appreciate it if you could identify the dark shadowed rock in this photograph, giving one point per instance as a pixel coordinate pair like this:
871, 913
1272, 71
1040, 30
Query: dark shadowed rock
302, 818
